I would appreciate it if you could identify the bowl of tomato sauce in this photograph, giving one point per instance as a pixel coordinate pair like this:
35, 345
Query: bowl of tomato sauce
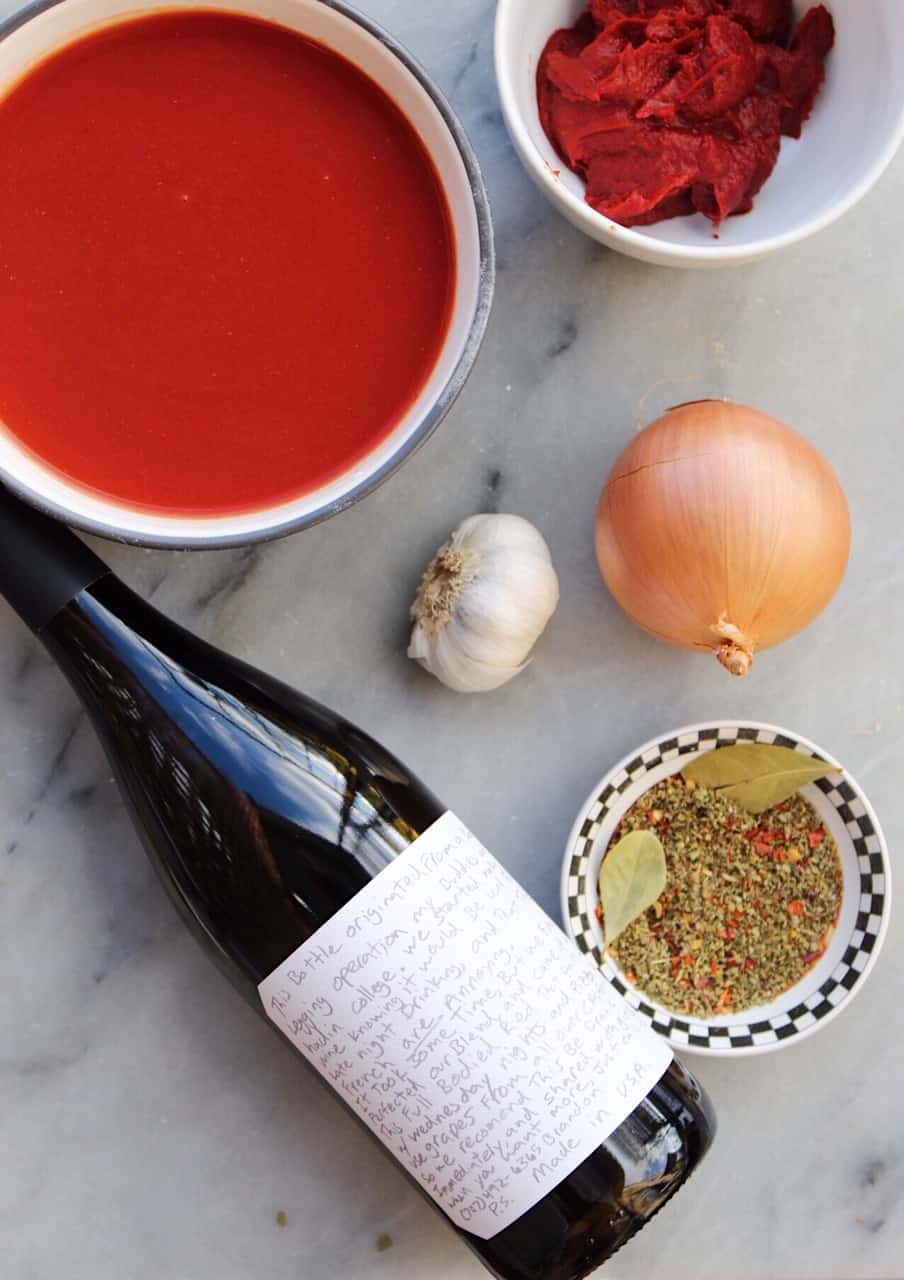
702, 133
246, 261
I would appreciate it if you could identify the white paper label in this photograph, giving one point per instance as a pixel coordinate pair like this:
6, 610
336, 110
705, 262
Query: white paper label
465, 1029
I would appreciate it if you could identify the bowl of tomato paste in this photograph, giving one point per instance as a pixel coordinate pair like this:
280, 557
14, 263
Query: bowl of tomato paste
701, 133
247, 261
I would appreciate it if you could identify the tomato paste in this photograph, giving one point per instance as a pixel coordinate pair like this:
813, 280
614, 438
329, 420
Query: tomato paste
668, 108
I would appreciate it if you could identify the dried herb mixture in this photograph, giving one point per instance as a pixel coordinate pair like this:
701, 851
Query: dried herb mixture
749, 903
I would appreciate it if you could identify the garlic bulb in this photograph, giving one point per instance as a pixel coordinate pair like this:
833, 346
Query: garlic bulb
483, 603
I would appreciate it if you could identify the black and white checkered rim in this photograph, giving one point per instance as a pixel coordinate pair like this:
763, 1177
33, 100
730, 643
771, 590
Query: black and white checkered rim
579, 894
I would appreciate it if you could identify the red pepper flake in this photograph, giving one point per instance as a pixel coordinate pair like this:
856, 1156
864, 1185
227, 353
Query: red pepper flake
749, 964
688, 958
816, 837
796, 907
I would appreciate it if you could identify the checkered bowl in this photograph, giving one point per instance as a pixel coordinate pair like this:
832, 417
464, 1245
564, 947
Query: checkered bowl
855, 943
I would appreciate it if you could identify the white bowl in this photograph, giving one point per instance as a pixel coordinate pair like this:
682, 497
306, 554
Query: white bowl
833, 981
45, 26
852, 135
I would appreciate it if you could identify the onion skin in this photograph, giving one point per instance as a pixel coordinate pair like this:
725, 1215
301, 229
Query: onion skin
721, 528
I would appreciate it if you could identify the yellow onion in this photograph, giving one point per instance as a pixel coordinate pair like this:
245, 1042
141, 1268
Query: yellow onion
721, 528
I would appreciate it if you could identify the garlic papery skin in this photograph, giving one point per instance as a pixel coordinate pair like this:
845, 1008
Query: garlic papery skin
483, 603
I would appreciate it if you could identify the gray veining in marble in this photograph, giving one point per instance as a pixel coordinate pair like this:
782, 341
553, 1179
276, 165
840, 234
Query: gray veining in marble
151, 1128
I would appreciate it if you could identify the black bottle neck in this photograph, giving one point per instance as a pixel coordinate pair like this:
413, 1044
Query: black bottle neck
42, 565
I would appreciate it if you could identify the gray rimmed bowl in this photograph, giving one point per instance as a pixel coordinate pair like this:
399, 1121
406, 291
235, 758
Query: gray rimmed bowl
47, 25
830, 985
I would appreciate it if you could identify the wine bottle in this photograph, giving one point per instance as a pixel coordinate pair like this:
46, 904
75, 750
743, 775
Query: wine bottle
540, 1114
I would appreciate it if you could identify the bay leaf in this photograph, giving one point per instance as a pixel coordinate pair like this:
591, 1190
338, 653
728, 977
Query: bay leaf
631, 879
756, 775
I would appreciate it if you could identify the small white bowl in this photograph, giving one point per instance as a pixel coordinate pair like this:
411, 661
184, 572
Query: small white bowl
46, 25
825, 989
851, 137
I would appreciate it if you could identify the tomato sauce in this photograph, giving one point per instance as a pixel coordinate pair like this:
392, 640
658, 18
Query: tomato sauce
227, 263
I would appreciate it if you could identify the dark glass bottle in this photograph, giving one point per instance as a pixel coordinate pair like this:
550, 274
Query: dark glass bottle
264, 813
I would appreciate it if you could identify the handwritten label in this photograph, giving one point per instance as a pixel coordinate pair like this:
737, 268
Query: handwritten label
463, 1027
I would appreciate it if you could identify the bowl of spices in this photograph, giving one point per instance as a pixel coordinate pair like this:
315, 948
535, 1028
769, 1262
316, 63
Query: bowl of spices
652, 125
732, 882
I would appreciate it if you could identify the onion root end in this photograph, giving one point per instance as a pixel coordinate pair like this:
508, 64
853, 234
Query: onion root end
734, 657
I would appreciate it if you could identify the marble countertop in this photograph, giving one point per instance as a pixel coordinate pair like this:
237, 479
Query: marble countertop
152, 1128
